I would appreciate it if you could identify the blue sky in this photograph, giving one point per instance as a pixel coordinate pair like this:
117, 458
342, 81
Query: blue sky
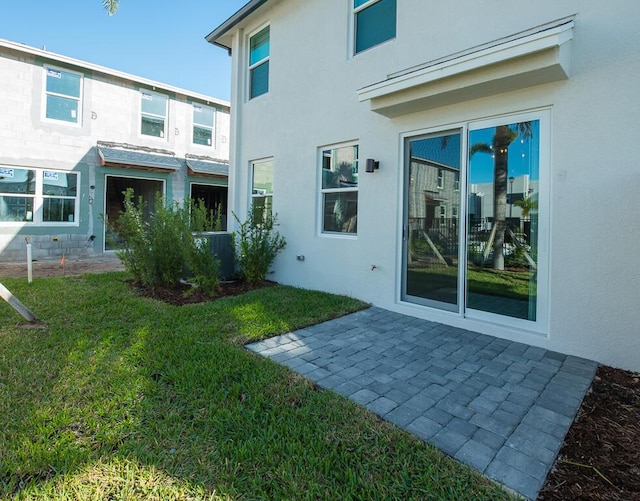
523, 156
162, 40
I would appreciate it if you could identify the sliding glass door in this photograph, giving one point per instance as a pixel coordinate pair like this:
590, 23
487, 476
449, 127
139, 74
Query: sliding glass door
433, 225
502, 235
474, 217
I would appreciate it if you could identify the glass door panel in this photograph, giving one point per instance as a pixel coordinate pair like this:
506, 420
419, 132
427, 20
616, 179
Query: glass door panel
432, 224
502, 215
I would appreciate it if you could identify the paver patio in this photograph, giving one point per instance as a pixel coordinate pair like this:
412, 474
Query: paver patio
501, 407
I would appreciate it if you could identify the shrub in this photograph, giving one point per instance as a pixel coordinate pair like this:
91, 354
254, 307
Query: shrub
257, 244
203, 219
156, 250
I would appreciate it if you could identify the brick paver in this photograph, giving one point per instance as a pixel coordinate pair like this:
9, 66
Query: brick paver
501, 407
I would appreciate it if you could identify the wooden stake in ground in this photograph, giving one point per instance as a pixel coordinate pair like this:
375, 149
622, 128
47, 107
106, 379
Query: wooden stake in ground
15, 303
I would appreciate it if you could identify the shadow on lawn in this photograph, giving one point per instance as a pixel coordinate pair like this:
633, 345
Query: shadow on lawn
122, 396
142, 389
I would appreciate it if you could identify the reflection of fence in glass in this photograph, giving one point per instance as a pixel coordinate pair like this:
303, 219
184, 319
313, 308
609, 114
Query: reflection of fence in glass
518, 241
434, 238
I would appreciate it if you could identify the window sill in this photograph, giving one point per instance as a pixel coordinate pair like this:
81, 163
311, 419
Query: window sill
63, 123
339, 236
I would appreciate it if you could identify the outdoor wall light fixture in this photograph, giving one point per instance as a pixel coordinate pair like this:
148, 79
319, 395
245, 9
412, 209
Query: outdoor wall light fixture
372, 165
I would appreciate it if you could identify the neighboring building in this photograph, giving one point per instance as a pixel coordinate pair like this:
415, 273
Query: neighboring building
74, 136
505, 136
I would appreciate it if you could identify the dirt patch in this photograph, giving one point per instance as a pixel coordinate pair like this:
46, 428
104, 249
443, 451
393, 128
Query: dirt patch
600, 457
56, 268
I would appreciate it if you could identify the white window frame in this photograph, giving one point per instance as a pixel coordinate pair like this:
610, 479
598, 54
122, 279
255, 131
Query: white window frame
251, 67
212, 127
541, 325
39, 197
165, 134
79, 99
324, 191
266, 195
442, 216
440, 178
354, 26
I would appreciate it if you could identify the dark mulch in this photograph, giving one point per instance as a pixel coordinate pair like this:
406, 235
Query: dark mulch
181, 294
600, 458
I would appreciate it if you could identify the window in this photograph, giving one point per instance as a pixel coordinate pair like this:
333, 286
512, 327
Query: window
456, 181
375, 22
443, 215
63, 90
203, 120
340, 190
154, 114
259, 63
262, 188
440, 182
38, 196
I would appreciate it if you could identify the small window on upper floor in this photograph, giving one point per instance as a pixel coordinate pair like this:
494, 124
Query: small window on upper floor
259, 63
153, 114
63, 95
203, 120
374, 22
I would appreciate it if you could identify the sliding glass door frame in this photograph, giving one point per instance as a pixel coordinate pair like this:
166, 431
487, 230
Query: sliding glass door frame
461, 309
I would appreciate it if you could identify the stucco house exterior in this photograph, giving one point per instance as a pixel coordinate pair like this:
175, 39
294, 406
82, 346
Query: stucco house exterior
74, 136
471, 163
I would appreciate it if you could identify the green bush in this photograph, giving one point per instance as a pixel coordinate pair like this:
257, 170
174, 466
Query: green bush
257, 244
203, 219
157, 249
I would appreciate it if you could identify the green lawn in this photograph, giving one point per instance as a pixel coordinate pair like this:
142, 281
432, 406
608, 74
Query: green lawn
427, 282
123, 397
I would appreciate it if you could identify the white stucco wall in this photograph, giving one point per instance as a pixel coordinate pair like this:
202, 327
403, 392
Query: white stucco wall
594, 175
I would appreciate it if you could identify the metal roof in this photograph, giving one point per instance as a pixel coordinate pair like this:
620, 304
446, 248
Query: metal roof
208, 168
113, 157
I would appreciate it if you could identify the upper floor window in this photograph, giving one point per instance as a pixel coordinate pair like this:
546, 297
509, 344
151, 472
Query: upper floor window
375, 22
340, 190
262, 189
63, 95
38, 196
203, 120
259, 63
153, 114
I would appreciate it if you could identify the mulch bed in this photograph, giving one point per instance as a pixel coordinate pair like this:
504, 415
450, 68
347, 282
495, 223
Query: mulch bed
600, 457
182, 293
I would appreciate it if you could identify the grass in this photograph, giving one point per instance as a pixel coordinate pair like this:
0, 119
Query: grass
123, 397
509, 284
